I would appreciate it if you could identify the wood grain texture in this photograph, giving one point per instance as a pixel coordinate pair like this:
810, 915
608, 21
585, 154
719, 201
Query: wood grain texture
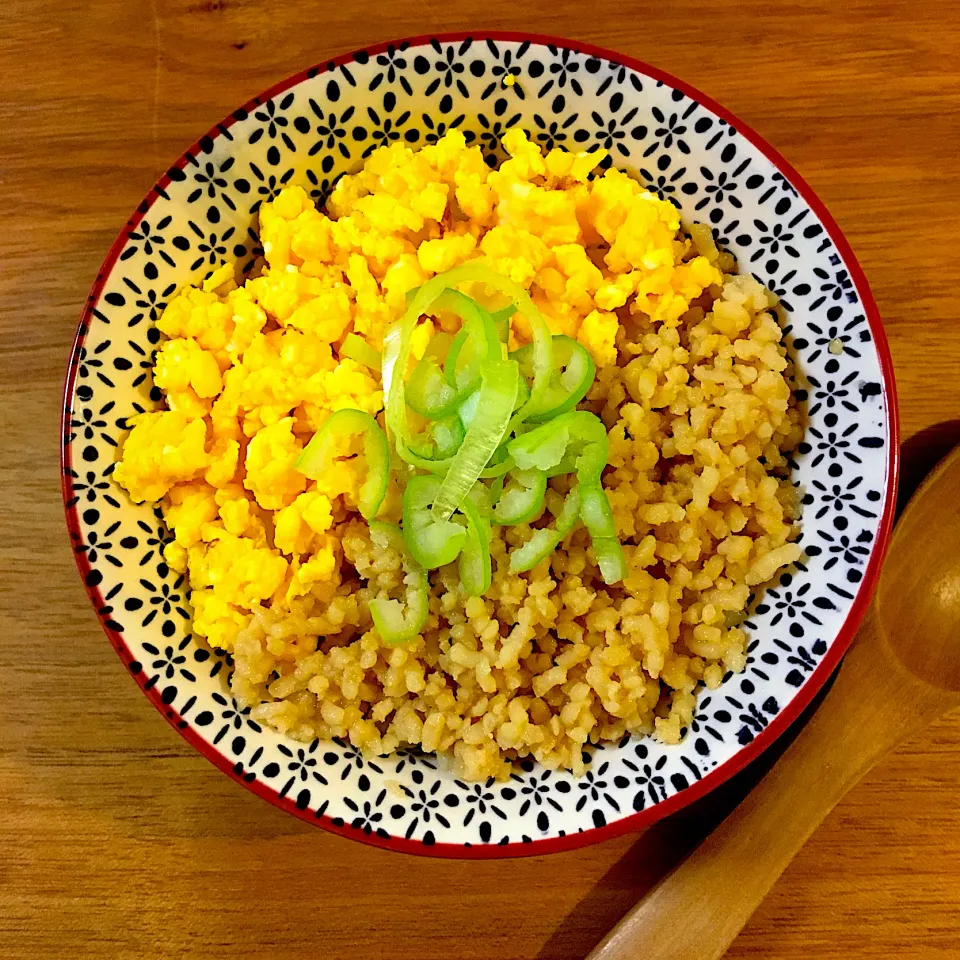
117, 840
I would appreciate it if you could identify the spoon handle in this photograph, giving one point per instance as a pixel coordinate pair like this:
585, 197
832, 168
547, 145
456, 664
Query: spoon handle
696, 911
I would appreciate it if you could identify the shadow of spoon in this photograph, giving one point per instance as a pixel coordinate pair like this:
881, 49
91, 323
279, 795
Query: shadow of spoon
902, 673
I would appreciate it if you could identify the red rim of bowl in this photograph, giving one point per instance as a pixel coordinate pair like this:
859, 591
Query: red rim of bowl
711, 780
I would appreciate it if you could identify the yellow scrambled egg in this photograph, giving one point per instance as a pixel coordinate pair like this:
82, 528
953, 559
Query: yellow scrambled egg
250, 372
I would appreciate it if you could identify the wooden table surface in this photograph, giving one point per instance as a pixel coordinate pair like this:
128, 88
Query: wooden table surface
117, 840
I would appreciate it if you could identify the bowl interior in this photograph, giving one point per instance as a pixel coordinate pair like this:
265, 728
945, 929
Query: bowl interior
321, 124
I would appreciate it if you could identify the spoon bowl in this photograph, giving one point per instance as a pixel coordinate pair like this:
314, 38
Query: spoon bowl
918, 598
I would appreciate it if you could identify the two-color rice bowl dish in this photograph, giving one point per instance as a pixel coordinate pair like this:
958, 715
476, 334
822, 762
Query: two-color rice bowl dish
485, 462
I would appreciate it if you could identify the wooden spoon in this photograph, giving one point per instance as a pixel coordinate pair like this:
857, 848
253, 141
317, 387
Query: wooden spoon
902, 673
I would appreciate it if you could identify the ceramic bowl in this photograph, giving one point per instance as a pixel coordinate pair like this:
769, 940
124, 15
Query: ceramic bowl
681, 145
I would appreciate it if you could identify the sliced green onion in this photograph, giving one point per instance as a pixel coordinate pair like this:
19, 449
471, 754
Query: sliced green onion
610, 559
440, 441
544, 541
567, 464
439, 346
396, 355
457, 303
467, 352
398, 622
475, 318
463, 375
428, 392
596, 513
356, 348
433, 540
593, 457
522, 497
447, 435
523, 394
468, 408
598, 519
542, 339
577, 441
542, 448
477, 340
497, 468
484, 421
480, 497
579, 436
498, 391
501, 319
570, 379
321, 455
474, 563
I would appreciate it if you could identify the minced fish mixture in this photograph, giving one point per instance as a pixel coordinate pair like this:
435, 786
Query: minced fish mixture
691, 384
